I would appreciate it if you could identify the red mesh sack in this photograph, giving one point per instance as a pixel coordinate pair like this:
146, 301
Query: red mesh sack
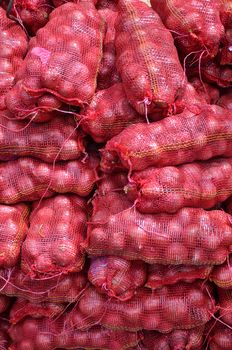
222, 275
225, 303
209, 92
117, 277
12, 51
225, 100
4, 337
58, 3
47, 335
192, 339
141, 40
111, 183
173, 307
214, 73
28, 179
59, 289
68, 70
33, 14
226, 13
226, 49
23, 308
220, 338
54, 140
191, 236
168, 189
13, 229
57, 229
161, 275
4, 303
108, 114
176, 140
195, 23
229, 206
108, 74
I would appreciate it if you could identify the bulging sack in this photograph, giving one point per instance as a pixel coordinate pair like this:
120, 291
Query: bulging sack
222, 275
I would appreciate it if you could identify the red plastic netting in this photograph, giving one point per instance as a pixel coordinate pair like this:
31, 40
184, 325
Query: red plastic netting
58, 3
229, 206
12, 51
222, 274
117, 277
168, 189
192, 339
56, 232
23, 308
225, 100
225, 303
112, 183
13, 229
4, 337
108, 114
141, 40
4, 303
172, 141
226, 13
59, 289
54, 140
47, 335
191, 236
220, 338
162, 275
214, 73
31, 14
209, 92
68, 70
108, 75
195, 24
180, 306
225, 51
29, 179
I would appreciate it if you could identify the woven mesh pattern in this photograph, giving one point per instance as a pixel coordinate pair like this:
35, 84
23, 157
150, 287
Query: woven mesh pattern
226, 13
171, 141
28, 179
60, 289
53, 242
168, 189
209, 92
196, 23
68, 70
225, 52
108, 74
4, 337
229, 206
220, 338
225, 303
222, 274
23, 308
212, 72
32, 13
44, 141
117, 277
58, 3
13, 229
12, 51
108, 114
179, 306
4, 303
146, 58
112, 182
225, 100
191, 236
192, 339
48, 335
161, 275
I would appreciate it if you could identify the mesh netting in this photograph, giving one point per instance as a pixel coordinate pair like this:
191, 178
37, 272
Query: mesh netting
229, 206
59, 289
209, 92
4, 303
57, 229
161, 275
29, 179
226, 12
61, 2
54, 140
225, 52
220, 338
168, 189
195, 23
225, 303
141, 40
177, 340
108, 74
222, 274
12, 51
212, 72
178, 306
171, 141
117, 277
47, 335
13, 229
4, 337
108, 114
191, 236
68, 70
33, 14
23, 308
225, 100
111, 183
